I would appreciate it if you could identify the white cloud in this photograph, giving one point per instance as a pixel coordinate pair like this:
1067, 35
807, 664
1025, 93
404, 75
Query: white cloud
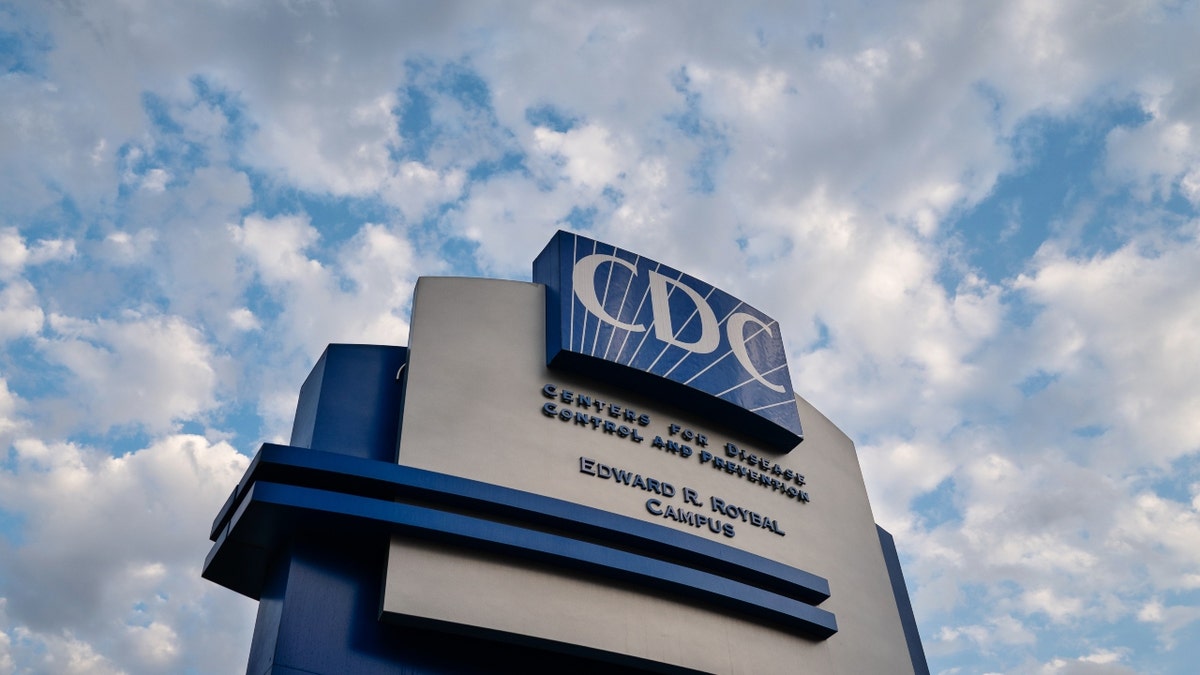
7, 665
1122, 330
15, 254
61, 654
591, 157
156, 180
508, 217
49, 136
999, 632
336, 146
20, 313
378, 267
155, 645
899, 471
134, 370
10, 403
1099, 662
1047, 601
1169, 620
415, 188
124, 248
243, 319
361, 296
277, 246
111, 558
1165, 533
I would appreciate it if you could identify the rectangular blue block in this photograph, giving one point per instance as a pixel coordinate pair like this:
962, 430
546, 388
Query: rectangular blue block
350, 404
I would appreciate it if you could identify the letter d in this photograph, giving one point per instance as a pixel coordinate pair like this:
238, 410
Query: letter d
664, 329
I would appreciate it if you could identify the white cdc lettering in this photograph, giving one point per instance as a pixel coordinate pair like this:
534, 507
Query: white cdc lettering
583, 279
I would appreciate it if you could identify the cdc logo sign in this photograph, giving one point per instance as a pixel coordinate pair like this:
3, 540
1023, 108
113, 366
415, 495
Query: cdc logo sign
623, 318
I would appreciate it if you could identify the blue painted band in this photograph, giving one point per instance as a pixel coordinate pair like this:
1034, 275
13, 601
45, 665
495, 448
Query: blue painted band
268, 512
384, 480
912, 637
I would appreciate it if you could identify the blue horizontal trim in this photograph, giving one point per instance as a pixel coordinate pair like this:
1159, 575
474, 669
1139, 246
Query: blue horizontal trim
268, 512
385, 480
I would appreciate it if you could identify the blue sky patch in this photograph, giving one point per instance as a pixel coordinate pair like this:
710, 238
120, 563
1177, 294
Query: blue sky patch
1054, 177
551, 117
937, 506
711, 145
23, 47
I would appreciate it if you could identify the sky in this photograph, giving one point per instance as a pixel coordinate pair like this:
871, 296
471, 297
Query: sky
978, 224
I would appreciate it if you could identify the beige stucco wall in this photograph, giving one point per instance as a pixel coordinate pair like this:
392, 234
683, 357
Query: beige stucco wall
473, 408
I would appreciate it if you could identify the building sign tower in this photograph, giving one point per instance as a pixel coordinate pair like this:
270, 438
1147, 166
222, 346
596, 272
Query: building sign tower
607, 467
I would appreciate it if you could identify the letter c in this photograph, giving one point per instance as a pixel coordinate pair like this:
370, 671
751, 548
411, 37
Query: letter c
583, 279
737, 344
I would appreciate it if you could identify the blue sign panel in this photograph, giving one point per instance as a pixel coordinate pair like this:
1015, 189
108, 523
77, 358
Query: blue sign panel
623, 318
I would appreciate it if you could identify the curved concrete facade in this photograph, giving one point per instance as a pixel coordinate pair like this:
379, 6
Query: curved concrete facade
482, 404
